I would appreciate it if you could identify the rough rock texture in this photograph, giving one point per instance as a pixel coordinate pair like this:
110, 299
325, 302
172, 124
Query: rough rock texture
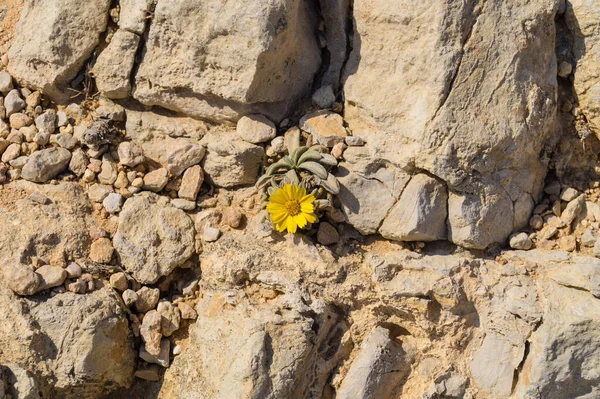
153, 238
271, 58
112, 77
453, 122
233, 163
53, 41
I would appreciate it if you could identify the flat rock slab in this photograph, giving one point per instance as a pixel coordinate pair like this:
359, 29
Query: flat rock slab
153, 237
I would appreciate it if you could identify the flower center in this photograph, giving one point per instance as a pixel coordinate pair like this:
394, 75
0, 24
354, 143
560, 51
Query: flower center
293, 207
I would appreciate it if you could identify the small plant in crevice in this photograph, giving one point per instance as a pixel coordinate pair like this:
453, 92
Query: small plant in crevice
305, 170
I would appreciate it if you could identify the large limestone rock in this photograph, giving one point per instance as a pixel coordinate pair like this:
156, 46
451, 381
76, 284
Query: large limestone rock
218, 60
54, 38
582, 20
476, 119
113, 66
153, 238
72, 345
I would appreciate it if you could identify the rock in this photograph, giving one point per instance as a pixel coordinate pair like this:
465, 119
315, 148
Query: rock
170, 318
211, 234
112, 203
162, 359
232, 163
147, 218
588, 238
50, 48
39, 198
19, 120
98, 133
263, 71
150, 332
46, 164
547, 232
327, 234
130, 297
183, 156
22, 280
573, 209
191, 182
51, 276
327, 128
324, 97
113, 66
131, 154
66, 140
149, 373
569, 194
567, 243
101, 250
11, 152
73, 270
232, 217
6, 84
13, 102
184, 205
187, 312
147, 299
110, 110
256, 129
156, 180
133, 15
520, 241
365, 213
378, 368
354, 141
96, 355
119, 281
420, 214
536, 222
109, 172
99, 192
46, 122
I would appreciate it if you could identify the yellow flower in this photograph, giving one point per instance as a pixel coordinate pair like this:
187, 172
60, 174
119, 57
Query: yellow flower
290, 207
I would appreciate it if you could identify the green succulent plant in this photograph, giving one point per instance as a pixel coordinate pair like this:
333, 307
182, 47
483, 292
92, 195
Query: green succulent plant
305, 166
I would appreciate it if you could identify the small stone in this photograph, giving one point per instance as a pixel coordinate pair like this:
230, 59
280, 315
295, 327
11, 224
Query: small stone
354, 141
73, 270
46, 122
256, 129
573, 209
19, 120
108, 173
597, 248
66, 140
39, 198
77, 287
13, 102
564, 69
184, 205
119, 281
327, 234
113, 202
183, 156
588, 238
51, 276
98, 192
191, 182
324, 97
61, 118
547, 233
278, 145
520, 241
6, 83
79, 162
170, 318
22, 280
41, 138
110, 110
211, 234
147, 299
34, 99
569, 194
327, 128
130, 297
233, 217
156, 180
338, 150
556, 208
150, 373
101, 251
131, 154
177, 350
150, 332
45, 165
187, 312
553, 188
567, 243
162, 359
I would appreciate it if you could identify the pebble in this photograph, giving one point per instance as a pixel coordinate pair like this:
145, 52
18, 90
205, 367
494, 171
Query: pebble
553, 188
131, 154
327, 234
101, 251
233, 217
177, 350
547, 232
13, 102
187, 312
147, 299
39, 198
162, 359
19, 120
119, 281
98, 192
191, 182
573, 209
520, 241
564, 69
588, 238
211, 234
569, 194
338, 150
108, 171
150, 332
110, 110
46, 122
171, 317
113, 202
51, 276
11, 152
256, 129
130, 297
354, 141
79, 162
73, 270
6, 83
567, 243
61, 119
324, 97
156, 180
77, 287
184, 205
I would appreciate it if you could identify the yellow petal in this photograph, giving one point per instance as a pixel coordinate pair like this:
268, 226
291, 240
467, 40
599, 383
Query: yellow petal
308, 199
301, 193
278, 217
291, 225
278, 197
307, 207
300, 220
280, 227
288, 189
311, 217
274, 207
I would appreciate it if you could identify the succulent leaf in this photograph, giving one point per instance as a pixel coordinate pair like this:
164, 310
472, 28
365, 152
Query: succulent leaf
315, 168
297, 154
328, 159
278, 166
309, 155
291, 177
331, 184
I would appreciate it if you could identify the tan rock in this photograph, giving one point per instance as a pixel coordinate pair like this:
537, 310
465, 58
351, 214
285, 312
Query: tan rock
101, 250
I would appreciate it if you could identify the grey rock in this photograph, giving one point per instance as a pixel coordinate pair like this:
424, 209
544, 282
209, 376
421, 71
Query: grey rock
51, 276
130, 297
256, 129
147, 298
520, 241
98, 192
232, 163
324, 97
110, 110
495, 377
46, 122
211, 234
6, 83
73, 270
147, 218
420, 214
113, 66
112, 203
131, 154
46, 164
588, 238
183, 204
79, 162
13, 102
569, 194
162, 359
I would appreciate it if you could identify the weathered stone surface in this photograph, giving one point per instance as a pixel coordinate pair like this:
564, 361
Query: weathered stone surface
131, 154
191, 182
420, 213
327, 128
156, 180
182, 156
113, 66
264, 69
153, 238
232, 163
133, 15
256, 129
80, 345
53, 41
46, 164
